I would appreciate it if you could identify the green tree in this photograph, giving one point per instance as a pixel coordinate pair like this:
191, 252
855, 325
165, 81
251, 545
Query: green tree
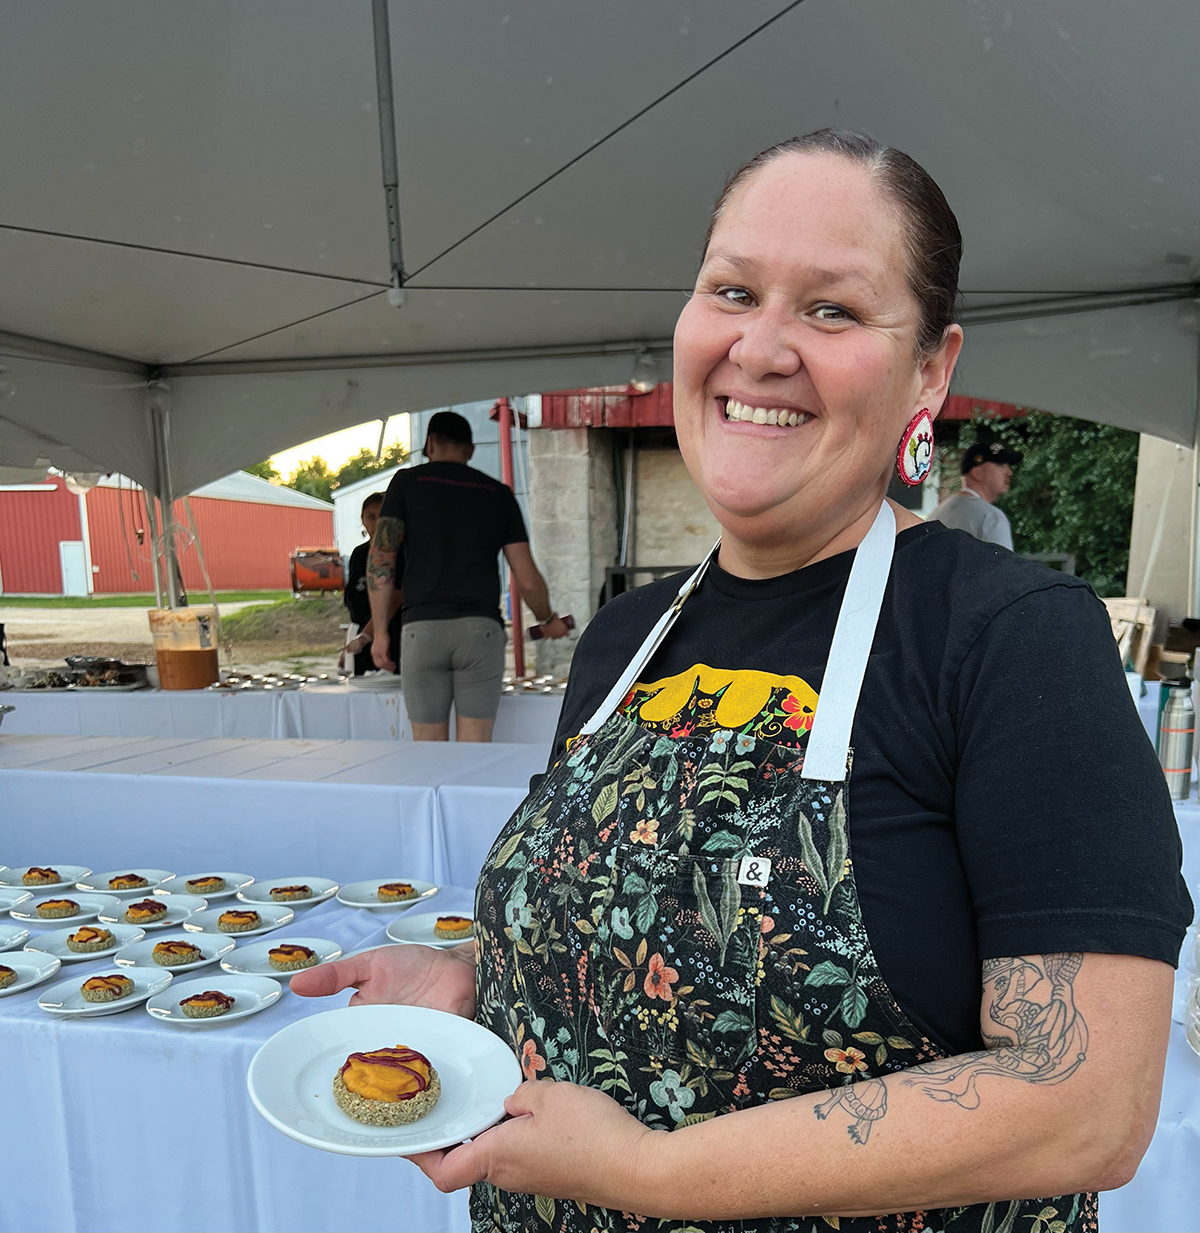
365, 463
264, 470
314, 477
1073, 491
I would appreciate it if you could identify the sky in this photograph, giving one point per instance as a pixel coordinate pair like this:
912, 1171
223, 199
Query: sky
338, 447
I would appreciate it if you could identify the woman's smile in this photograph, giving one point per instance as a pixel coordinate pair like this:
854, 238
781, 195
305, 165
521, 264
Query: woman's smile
758, 414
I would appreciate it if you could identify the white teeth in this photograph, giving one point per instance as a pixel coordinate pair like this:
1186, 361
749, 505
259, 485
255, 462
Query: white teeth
772, 416
739, 412
760, 416
792, 419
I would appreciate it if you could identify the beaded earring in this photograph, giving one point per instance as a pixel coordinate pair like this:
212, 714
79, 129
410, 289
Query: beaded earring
915, 455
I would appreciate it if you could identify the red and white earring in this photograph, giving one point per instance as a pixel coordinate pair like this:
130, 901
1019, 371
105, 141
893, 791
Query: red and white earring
915, 455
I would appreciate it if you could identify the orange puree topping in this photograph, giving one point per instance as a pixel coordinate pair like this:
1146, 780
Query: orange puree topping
387, 1074
175, 946
60, 903
88, 934
453, 922
124, 880
146, 907
289, 952
115, 984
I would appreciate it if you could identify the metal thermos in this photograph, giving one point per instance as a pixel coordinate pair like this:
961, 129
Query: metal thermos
1177, 739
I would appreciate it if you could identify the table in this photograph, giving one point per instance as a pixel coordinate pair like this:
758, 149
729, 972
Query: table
321, 712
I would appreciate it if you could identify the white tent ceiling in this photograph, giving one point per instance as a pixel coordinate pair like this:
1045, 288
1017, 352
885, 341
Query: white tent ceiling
198, 188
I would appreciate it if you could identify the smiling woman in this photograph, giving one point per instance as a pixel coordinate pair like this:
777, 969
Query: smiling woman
903, 986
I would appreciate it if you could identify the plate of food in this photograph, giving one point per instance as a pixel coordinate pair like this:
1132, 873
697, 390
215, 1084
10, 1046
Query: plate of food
197, 1003
375, 680
386, 894
86, 941
60, 909
105, 993
43, 877
430, 929
124, 882
297, 892
154, 912
12, 896
177, 952
241, 922
12, 936
209, 885
23, 971
382, 1080
280, 957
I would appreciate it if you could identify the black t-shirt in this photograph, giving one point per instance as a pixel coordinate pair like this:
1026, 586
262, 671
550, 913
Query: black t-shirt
1005, 799
355, 595
456, 521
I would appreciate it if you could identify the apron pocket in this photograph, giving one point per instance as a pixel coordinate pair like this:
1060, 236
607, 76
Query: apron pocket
675, 978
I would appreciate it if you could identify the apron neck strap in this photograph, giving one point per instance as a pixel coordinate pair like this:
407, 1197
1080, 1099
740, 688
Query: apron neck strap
827, 753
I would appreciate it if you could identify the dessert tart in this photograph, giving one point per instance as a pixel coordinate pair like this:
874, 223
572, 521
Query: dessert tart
286, 894
208, 885
238, 921
456, 928
7, 977
206, 1005
386, 1087
127, 881
88, 939
36, 875
145, 910
172, 953
291, 957
53, 909
105, 988
396, 892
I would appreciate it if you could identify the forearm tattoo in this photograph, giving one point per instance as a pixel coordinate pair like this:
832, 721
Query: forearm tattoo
381, 561
1039, 1036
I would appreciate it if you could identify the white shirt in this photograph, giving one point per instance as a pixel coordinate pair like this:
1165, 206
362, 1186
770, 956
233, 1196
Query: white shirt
966, 510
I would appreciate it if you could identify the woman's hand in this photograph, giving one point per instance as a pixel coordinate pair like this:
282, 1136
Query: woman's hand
399, 976
563, 1141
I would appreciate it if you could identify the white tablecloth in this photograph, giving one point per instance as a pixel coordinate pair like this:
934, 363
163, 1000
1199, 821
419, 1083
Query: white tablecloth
316, 712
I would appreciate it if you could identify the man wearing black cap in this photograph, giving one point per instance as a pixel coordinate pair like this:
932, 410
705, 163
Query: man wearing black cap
986, 475
453, 522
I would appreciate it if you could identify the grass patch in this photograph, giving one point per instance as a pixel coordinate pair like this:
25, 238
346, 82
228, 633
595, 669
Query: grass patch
133, 601
310, 624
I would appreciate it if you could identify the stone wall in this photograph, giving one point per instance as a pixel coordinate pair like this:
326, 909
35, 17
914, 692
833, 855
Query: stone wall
673, 525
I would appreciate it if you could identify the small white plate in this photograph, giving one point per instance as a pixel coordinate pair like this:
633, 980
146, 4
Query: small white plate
98, 882
250, 995
260, 892
66, 1000
12, 936
234, 882
252, 960
140, 954
291, 1078
375, 680
418, 927
31, 969
68, 875
273, 915
56, 943
11, 897
366, 894
179, 909
90, 906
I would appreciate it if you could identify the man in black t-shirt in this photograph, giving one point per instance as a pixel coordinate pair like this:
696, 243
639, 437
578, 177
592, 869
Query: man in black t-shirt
453, 522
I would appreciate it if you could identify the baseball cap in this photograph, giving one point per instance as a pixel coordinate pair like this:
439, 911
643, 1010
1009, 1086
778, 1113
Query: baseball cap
450, 426
991, 452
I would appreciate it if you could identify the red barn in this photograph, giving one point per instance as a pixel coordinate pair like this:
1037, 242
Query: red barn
55, 542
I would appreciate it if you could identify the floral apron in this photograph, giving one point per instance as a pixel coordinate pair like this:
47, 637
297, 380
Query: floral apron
675, 922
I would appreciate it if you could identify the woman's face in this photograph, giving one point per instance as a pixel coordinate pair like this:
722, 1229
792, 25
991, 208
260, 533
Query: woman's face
795, 360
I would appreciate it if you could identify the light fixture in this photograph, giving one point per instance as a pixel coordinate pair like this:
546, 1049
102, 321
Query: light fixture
1187, 319
397, 297
8, 387
645, 372
158, 396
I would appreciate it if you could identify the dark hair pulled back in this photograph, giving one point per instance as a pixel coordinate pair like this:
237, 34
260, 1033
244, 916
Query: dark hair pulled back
932, 238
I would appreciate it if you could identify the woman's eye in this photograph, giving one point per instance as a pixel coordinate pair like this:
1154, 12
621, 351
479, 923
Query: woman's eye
735, 295
832, 312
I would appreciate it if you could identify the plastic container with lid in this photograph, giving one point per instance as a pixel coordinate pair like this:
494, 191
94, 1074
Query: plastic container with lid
185, 645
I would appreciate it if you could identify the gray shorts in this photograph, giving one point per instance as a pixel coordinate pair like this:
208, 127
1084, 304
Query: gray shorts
459, 661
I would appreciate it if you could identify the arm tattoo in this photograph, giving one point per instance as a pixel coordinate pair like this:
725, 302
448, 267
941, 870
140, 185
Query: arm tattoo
1039, 1037
381, 561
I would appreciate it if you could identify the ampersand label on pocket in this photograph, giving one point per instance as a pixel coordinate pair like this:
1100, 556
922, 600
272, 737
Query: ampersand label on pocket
754, 871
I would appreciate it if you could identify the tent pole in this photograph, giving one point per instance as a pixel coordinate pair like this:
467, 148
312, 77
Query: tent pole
381, 30
152, 519
514, 591
1194, 555
160, 411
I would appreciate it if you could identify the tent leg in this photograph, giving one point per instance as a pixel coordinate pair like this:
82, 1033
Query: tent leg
160, 424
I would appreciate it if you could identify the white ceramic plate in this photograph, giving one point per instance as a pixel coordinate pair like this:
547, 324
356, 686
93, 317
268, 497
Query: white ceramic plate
56, 943
366, 894
375, 680
68, 875
90, 906
250, 995
11, 897
234, 882
260, 892
252, 960
418, 927
66, 1000
179, 909
31, 969
98, 882
291, 1078
273, 915
139, 954
12, 936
